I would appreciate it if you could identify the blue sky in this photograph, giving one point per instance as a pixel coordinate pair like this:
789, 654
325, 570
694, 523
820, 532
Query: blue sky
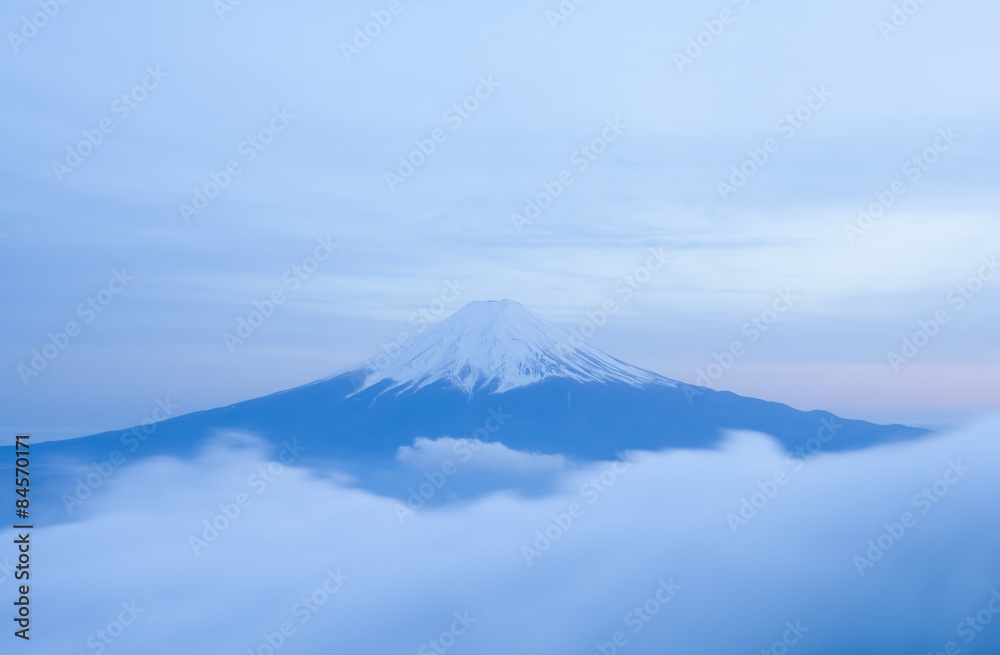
878, 99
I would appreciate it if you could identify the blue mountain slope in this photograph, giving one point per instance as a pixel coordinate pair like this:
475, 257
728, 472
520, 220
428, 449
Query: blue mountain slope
495, 371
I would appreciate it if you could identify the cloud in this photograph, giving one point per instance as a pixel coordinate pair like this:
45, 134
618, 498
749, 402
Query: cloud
475, 454
642, 552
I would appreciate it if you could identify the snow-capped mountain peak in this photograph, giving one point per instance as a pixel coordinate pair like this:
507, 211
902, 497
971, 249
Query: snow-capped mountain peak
495, 346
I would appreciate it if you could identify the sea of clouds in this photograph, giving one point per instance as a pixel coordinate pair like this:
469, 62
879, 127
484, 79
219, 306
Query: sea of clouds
742, 549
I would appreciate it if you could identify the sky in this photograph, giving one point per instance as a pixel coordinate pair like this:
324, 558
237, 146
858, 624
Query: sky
629, 121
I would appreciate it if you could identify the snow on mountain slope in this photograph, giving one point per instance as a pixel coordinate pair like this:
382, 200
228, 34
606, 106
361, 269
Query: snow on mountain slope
495, 346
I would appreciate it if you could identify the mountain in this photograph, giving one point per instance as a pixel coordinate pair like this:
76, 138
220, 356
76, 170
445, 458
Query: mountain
493, 347
495, 371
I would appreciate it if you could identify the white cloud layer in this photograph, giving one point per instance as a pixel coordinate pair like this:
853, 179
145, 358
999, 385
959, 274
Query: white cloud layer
474, 454
655, 533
